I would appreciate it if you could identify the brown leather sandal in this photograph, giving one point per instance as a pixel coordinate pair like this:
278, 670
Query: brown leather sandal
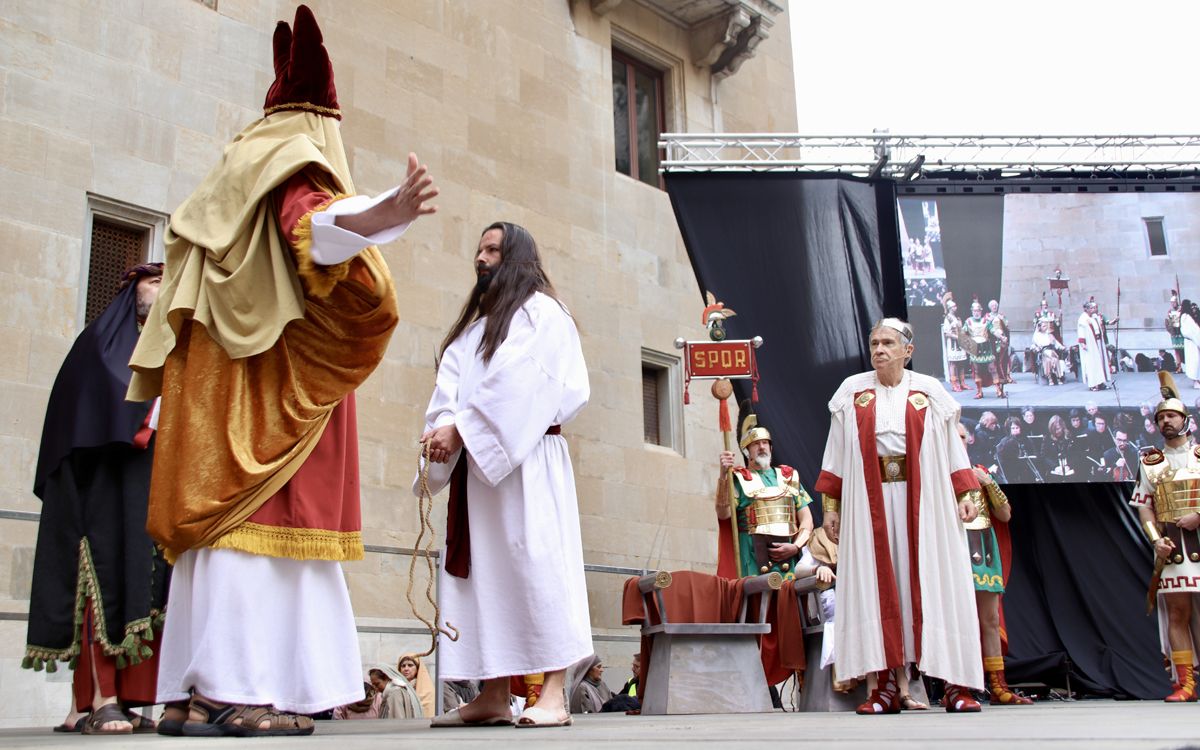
209, 719
106, 714
141, 725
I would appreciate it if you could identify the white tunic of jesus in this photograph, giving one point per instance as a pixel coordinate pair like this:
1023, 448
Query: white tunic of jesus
1191, 346
523, 609
1093, 357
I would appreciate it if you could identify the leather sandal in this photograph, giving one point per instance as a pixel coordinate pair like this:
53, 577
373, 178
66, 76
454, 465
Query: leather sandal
106, 714
232, 720
173, 727
453, 718
71, 728
141, 725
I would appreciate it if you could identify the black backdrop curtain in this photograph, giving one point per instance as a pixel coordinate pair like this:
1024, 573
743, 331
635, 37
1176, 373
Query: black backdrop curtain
809, 263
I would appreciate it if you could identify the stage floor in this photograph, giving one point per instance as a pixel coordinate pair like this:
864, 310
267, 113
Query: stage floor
1131, 389
1058, 725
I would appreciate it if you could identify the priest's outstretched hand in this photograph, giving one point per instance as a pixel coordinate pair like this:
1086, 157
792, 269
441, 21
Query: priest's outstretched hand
410, 201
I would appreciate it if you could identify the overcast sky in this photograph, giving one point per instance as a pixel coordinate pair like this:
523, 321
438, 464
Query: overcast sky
999, 67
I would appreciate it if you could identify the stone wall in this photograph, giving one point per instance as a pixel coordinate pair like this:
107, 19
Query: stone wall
509, 102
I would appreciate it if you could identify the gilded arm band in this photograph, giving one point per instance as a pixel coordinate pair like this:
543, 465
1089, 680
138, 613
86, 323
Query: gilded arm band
831, 503
995, 495
1152, 531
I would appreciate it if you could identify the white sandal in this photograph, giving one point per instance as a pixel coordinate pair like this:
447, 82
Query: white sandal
536, 716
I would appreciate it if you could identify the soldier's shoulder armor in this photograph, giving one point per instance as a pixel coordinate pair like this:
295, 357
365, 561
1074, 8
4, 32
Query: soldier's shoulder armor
743, 473
1153, 457
786, 471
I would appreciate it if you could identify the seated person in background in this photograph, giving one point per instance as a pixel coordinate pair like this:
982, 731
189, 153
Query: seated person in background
457, 693
1166, 361
1121, 460
1126, 362
631, 687
1076, 427
1100, 440
1014, 454
1033, 428
589, 693
416, 675
1059, 456
367, 708
820, 559
400, 701
1149, 437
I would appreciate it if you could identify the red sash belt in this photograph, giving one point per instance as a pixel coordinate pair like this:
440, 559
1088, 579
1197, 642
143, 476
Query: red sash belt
458, 527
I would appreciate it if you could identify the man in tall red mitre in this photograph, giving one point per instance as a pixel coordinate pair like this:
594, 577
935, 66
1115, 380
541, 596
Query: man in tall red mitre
897, 486
275, 306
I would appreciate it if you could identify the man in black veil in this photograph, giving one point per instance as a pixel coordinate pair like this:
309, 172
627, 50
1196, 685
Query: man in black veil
99, 583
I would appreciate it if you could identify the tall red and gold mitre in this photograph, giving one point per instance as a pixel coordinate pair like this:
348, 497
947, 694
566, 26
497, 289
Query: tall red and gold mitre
303, 71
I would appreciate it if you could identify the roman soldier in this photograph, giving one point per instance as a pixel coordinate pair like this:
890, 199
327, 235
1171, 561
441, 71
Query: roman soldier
1167, 499
978, 341
955, 359
773, 518
1174, 326
1001, 341
990, 547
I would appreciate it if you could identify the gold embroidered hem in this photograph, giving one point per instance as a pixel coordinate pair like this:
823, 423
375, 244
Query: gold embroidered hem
297, 544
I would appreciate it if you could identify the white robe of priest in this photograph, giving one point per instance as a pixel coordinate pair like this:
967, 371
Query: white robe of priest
1093, 357
523, 608
916, 419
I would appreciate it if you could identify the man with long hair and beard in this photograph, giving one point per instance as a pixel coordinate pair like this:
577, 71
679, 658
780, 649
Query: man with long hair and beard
511, 373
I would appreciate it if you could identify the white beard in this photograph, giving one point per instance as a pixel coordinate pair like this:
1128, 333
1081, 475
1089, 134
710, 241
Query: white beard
763, 461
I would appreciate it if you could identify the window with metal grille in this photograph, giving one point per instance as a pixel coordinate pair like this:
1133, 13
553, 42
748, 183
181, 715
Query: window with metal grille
1156, 236
637, 117
650, 405
114, 248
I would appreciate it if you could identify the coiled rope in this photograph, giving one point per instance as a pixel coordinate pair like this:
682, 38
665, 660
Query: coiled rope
424, 509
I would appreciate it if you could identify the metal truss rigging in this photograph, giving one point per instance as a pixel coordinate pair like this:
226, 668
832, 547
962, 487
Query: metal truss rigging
910, 157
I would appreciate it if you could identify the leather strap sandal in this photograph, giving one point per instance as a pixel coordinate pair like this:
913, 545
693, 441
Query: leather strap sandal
209, 719
106, 714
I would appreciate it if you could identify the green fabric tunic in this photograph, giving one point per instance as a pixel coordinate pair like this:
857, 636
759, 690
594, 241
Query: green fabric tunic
989, 577
747, 566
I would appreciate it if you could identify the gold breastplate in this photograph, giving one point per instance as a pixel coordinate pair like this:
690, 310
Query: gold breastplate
772, 510
1176, 491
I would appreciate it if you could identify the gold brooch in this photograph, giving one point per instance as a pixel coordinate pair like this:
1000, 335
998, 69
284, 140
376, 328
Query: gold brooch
918, 400
864, 398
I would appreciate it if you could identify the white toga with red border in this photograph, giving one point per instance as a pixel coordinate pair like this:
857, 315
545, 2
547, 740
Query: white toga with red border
896, 533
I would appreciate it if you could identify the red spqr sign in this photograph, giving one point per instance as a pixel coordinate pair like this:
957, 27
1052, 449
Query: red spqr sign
707, 360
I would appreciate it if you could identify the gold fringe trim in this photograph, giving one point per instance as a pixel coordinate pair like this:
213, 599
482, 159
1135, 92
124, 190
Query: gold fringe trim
306, 107
133, 649
297, 544
318, 280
